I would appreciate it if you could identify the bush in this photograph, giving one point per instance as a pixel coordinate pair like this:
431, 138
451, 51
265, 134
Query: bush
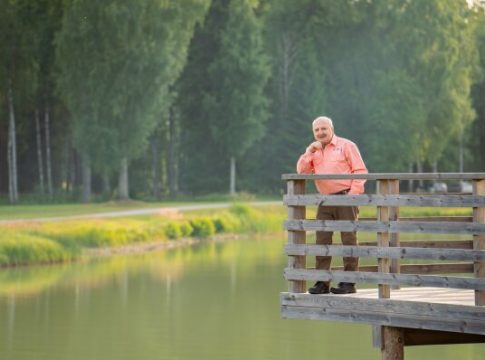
186, 229
226, 223
173, 230
202, 227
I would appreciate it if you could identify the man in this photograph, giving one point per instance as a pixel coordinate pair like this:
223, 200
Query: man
330, 154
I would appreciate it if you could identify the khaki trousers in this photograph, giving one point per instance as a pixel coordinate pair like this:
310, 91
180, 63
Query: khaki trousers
348, 238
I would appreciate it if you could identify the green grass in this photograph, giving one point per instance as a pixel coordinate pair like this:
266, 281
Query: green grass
57, 241
11, 212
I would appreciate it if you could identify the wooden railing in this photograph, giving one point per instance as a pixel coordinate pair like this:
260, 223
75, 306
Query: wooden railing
388, 225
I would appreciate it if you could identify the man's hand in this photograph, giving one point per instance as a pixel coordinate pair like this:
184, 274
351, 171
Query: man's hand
314, 146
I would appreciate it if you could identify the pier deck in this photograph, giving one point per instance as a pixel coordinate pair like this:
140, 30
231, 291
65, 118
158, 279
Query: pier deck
416, 303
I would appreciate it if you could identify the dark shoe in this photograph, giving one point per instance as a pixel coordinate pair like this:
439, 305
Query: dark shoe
344, 288
319, 288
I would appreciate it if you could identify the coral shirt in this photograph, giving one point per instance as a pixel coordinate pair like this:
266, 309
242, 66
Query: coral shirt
340, 156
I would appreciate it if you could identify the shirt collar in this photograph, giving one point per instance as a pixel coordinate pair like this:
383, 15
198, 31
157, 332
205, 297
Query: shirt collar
334, 140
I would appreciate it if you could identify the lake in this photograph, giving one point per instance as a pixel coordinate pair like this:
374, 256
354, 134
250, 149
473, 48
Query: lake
213, 300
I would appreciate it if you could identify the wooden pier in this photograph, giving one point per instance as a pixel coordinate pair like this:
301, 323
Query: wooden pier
413, 303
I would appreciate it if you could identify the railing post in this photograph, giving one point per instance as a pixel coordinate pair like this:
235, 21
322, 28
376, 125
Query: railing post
394, 237
383, 214
479, 240
392, 339
296, 187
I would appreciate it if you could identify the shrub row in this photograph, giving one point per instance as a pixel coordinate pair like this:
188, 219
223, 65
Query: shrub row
63, 241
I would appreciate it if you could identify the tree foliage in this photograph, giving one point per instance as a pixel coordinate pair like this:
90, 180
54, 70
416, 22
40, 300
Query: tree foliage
210, 81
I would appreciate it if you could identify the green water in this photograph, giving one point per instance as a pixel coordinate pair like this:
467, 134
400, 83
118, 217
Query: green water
216, 300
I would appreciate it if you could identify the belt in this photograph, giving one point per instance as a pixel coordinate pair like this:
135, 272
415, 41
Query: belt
343, 192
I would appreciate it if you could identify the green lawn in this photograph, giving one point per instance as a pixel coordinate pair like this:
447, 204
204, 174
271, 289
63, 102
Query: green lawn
10, 212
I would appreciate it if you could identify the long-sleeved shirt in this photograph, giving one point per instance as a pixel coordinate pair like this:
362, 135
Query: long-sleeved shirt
340, 156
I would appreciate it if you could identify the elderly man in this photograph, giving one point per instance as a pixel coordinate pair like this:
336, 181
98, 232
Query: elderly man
330, 154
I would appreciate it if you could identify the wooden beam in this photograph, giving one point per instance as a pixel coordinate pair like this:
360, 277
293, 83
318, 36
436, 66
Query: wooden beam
442, 268
383, 216
392, 343
479, 240
385, 312
414, 337
425, 244
388, 176
419, 227
296, 237
384, 278
387, 252
386, 200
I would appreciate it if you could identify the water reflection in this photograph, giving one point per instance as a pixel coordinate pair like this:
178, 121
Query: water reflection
215, 300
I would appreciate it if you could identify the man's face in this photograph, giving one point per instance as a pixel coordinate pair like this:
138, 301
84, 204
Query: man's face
323, 132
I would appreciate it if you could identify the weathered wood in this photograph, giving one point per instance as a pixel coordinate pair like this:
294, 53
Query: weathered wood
429, 218
385, 278
386, 200
441, 244
465, 219
383, 212
392, 343
414, 310
385, 312
296, 237
422, 227
442, 268
414, 337
479, 239
388, 176
394, 240
422, 296
387, 252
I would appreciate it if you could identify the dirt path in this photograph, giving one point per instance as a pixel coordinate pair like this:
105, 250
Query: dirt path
136, 212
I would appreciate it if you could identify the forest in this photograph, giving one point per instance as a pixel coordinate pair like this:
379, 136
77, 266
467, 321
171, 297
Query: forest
162, 99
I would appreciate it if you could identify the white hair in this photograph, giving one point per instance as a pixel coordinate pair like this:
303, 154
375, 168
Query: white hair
323, 118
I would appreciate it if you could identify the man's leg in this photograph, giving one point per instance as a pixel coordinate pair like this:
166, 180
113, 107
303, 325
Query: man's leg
348, 238
323, 238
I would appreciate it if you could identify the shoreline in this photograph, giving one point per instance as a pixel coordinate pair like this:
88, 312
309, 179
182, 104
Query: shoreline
138, 248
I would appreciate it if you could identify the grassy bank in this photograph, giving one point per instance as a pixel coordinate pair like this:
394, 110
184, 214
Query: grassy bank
50, 242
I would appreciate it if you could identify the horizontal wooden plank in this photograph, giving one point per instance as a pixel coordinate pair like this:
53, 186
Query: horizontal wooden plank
388, 312
414, 337
391, 226
385, 252
388, 176
424, 218
441, 268
386, 200
386, 278
442, 244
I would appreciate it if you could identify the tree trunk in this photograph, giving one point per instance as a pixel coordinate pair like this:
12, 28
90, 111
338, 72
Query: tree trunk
419, 166
66, 165
12, 150
410, 181
107, 185
172, 170
50, 189
86, 170
288, 51
460, 159
123, 180
40, 163
232, 177
155, 147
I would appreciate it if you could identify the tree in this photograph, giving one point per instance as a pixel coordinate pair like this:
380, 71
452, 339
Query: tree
117, 62
236, 106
